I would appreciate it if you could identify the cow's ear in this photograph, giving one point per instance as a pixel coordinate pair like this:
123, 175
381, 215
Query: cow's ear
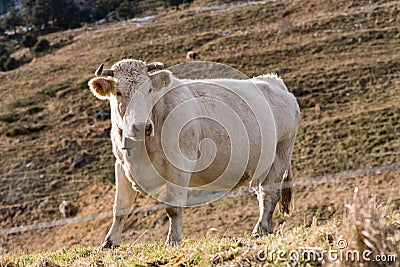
101, 87
161, 79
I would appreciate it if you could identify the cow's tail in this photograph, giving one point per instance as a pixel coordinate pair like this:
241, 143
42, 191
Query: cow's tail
287, 185
286, 191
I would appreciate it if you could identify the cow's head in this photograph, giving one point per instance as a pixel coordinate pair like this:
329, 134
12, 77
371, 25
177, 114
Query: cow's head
131, 89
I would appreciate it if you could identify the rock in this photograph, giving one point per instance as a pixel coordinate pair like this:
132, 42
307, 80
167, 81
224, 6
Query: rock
78, 160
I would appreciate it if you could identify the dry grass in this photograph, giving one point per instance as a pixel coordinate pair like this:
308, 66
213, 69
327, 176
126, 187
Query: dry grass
365, 228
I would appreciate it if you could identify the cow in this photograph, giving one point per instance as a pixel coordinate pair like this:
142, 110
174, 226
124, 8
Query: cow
191, 56
212, 135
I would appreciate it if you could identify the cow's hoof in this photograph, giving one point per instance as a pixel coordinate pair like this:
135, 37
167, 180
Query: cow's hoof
260, 231
108, 244
174, 243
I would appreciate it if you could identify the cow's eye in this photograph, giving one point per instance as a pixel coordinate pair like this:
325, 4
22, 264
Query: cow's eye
118, 93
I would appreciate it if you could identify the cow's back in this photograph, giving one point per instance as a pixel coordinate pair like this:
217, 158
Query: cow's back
283, 104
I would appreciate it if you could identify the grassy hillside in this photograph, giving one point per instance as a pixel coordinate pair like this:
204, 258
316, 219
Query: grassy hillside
365, 237
340, 58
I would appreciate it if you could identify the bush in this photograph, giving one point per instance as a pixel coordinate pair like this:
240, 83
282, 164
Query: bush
41, 46
29, 40
4, 50
11, 63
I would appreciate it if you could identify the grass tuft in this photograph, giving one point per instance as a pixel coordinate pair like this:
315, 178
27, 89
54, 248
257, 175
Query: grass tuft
367, 229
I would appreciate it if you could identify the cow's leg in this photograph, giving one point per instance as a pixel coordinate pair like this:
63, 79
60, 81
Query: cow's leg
269, 192
124, 198
176, 200
175, 225
268, 196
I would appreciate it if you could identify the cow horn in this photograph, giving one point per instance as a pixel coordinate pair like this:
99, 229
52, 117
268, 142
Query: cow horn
104, 72
155, 66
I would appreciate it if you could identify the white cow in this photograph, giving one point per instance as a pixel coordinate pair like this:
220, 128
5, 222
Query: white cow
191, 56
169, 135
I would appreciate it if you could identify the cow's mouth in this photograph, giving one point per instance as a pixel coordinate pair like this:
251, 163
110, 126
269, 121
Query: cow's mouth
129, 141
128, 144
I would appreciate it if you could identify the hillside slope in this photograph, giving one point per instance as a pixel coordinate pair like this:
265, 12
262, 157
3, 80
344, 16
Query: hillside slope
340, 58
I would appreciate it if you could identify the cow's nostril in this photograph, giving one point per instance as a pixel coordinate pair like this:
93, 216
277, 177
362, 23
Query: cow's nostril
135, 129
148, 128
142, 129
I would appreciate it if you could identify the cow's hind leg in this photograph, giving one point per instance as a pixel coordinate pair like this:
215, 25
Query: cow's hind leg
268, 196
124, 198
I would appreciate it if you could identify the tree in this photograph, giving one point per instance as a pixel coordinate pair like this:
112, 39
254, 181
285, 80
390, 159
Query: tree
127, 9
12, 20
7, 5
27, 6
66, 13
55, 13
41, 13
103, 7
175, 3
98, 13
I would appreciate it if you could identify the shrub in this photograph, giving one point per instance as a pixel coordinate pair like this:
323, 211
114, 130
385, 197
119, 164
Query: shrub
29, 40
4, 50
3, 60
11, 63
41, 46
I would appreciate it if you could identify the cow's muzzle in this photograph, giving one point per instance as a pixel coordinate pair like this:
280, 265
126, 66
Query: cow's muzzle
142, 129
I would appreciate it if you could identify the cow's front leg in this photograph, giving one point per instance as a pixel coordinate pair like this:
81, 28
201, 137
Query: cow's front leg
124, 198
176, 195
175, 225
